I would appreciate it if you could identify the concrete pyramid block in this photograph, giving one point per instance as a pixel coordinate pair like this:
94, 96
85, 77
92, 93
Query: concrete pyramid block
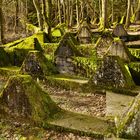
113, 74
118, 48
23, 97
36, 64
84, 33
103, 44
128, 125
119, 30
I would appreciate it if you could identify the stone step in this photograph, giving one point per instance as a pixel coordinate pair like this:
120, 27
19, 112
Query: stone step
117, 104
80, 124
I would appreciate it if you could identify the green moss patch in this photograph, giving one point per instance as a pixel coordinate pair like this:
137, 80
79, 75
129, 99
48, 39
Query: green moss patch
127, 125
4, 57
28, 43
87, 50
113, 73
23, 97
102, 45
85, 66
36, 64
9, 71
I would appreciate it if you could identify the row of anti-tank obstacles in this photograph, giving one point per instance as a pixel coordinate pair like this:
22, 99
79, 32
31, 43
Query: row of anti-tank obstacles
20, 95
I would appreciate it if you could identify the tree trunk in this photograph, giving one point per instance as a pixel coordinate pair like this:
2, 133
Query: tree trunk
104, 23
64, 11
59, 12
16, 16
77, 11
100, 8
1, 24
127, 23
68, 12
50, 19
137, 18
82, 11
44, 13
112, 19
39, 15
71, 13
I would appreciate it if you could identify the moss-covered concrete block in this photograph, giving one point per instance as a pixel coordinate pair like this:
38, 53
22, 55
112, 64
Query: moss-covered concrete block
119, 31
84, 33
64, 53
118, 48
24, 98
128, 126
102, 45
113, 73
37, 65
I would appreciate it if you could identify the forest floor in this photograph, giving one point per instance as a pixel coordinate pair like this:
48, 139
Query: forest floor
92, 104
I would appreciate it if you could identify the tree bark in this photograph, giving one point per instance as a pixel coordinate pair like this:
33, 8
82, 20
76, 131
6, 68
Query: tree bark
39, 15
77, 11
1, 24
104, 14
50, 19
112, 19
59, 12
71, 13
127, 23
16, 16
137, 18
64, 11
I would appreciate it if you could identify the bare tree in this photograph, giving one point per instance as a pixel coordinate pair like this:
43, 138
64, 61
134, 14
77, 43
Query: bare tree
104, 22
127, 23
39, 14
1, 23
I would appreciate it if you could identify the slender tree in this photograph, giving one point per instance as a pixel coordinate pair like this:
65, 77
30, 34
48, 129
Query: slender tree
59, 11
16, 16
39, 14
127, 23
104, 22
1, 23
137, 18
77, 11
50, 19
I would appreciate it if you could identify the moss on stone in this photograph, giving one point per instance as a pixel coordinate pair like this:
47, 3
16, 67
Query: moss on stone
36, 64
28, 43
22, 97
113, 73
9, 71
4, 58
87, 50
103, 43
127, 125
85, 66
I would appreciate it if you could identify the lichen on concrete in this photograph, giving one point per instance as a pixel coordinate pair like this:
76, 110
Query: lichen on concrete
112, 73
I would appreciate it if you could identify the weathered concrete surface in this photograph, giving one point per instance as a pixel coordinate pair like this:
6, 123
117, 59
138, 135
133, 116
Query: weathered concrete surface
84, 33
117, 104
37, 65
102, 45
64, 53
119, 30
83, 124
129, 124
23, 97
118, 48
113, 74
